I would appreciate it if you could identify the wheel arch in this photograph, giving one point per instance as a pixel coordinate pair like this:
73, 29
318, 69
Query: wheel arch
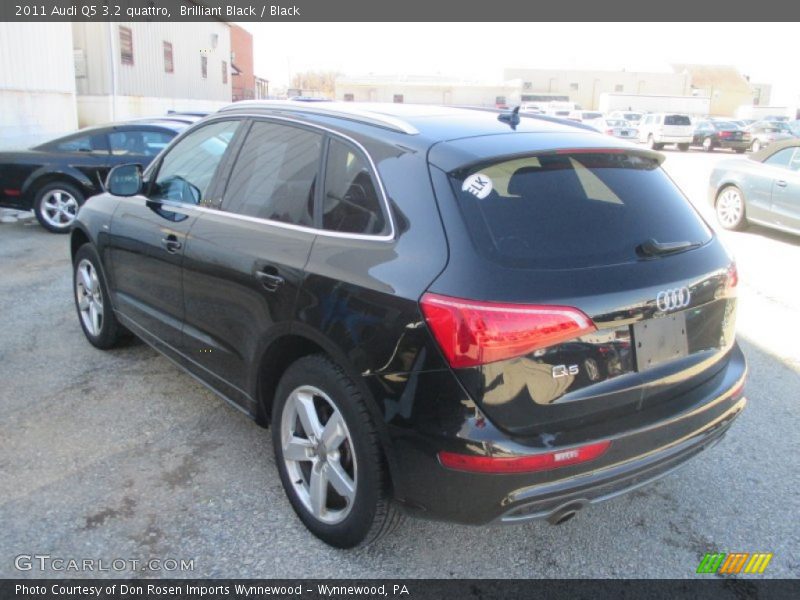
77, 238
42, 177
293, 344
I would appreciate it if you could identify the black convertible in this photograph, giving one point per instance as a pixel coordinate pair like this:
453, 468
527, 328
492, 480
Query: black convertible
54, 178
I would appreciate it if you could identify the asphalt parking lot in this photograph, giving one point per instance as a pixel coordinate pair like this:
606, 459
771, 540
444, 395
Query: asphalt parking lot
107, 455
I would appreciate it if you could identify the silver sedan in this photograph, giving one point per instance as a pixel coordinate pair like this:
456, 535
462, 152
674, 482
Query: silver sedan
763, 188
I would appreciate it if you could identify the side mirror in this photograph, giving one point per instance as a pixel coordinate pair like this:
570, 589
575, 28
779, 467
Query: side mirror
125, 180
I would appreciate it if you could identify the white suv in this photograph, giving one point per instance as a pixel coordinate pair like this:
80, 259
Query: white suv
657, 129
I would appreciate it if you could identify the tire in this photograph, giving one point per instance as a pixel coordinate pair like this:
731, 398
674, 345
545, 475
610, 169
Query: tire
313, 393
683, 147
730, 208
708, 145
651, 142
56, 205
95, 313
739, 150
756, 146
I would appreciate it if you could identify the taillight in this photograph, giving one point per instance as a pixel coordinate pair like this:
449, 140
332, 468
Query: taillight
609, 132
724, 134
523, 464
472, 333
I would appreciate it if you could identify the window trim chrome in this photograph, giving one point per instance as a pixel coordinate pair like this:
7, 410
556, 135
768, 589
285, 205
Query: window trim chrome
384, 199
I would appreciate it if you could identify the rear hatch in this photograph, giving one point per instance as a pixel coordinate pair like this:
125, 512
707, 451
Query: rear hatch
582, 285
677, 126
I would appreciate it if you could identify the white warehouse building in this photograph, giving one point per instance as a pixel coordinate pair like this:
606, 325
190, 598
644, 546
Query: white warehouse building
127, 70
426, 90
37, 83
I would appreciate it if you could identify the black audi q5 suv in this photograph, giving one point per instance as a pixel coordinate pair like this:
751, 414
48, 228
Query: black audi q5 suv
454, 313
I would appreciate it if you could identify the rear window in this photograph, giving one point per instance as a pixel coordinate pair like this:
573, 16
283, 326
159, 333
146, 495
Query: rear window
677, 120
564, 211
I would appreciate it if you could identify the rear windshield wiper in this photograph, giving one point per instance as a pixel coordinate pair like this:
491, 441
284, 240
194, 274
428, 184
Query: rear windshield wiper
651, 247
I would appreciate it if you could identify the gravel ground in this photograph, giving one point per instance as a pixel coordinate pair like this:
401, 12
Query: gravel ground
107, 455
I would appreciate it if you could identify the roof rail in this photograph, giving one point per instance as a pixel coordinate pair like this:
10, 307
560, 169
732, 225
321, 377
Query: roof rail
341, 110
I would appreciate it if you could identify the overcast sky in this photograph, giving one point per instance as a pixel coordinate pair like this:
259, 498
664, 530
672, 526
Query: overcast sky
767, 52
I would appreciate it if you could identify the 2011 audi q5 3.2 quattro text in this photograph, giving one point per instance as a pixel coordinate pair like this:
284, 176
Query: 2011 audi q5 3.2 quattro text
455, 313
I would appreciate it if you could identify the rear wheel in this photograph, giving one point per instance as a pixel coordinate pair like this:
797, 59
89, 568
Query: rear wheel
56, 205
651, 142
730, 208
756, 146
96, 316
683, 147
328, 455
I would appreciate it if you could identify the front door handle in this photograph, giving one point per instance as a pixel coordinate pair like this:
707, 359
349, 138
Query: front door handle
780, 183
269, 281
171, 243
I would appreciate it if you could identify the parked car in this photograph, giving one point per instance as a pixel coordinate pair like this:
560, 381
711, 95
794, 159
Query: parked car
588, 117
794, 127
763, 189
632, 117
410, 296
764, 133
55, 178
720, 134
617, 128
659, 129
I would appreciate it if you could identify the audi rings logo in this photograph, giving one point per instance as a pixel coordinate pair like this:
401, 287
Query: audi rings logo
673, 299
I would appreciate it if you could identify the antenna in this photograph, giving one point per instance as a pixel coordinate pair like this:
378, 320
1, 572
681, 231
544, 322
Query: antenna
512, 118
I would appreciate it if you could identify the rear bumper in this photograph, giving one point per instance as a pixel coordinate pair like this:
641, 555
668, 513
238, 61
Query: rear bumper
674, 139
635, 458
734, 144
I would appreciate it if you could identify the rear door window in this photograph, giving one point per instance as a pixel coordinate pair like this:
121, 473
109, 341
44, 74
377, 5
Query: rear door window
275, 174
564, 211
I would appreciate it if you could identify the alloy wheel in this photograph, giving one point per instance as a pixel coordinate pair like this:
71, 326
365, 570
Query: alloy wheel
730, 207
59, 208
318, 454
90, 297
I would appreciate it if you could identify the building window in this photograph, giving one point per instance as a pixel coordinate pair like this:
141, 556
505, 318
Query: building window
573, 87
619, 88
349, 98
224, 72
398, 99
527, 85
204, 66
126, 45
169, 65
500, 100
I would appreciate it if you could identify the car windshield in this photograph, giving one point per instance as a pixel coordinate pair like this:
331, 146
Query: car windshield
573, 210
723, 125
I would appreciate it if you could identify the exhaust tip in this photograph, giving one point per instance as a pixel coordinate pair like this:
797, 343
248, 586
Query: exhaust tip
564, 514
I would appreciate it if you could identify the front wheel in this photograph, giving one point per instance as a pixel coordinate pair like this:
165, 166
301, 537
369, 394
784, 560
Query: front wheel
730, 208
708, 145
329, 456
756, 146
96, 316
56, 206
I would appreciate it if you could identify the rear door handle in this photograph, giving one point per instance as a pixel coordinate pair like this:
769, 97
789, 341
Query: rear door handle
171, 243
269, 281
780, 183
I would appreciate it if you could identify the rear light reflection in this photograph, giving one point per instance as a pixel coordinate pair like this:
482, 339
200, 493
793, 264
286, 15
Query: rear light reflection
472, 333
523, 464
